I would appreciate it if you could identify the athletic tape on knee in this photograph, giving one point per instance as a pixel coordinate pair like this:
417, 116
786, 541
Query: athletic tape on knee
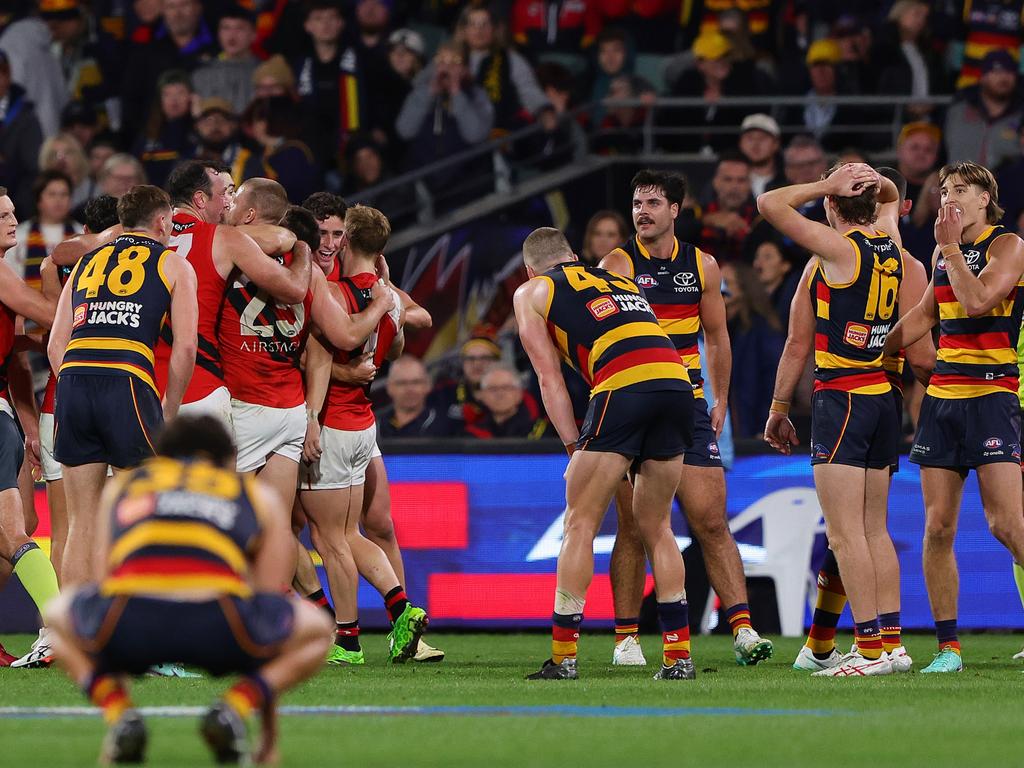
567, 604
23, 550
677, 598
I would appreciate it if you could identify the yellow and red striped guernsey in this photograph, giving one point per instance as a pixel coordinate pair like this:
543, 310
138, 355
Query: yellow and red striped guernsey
182, 527
674, 287
852, 319
976, 355
605, 329
894, 364
119, 299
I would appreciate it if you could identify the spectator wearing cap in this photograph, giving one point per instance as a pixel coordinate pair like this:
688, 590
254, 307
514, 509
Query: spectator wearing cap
274, 77
755, 15
229, 76
27, 44
505, 76
409, 414
20, 140
818, 117
404, 60
541, 26
446, 112
917, 154
760, 139
712, 78
729, 216
982, 123
855, 69
331, 81
65, 154
168, 137
181, 41
216, 126
507, 413
279, 153
459, 399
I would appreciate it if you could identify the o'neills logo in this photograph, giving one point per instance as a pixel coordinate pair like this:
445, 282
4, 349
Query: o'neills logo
81, 312
857, 335
602, 307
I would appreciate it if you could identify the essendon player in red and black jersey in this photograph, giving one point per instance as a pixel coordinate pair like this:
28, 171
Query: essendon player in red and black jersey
683, 285
333, 487
855, 423
819, 652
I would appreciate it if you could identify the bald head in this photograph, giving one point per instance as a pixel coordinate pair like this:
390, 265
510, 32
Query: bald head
545, 247
259, 200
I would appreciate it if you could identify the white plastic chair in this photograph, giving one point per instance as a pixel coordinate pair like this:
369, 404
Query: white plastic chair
790, 520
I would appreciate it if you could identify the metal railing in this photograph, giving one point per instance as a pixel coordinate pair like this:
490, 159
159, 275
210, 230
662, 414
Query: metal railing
513, 157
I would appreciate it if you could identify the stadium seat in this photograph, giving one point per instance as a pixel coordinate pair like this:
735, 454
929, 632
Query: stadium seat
651, 67
789, 522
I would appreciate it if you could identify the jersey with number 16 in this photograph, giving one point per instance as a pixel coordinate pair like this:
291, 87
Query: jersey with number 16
120, 295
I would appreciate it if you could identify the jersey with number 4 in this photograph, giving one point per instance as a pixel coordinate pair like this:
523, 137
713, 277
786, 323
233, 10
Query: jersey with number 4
120, 296
261, 342
192, 239
852, 319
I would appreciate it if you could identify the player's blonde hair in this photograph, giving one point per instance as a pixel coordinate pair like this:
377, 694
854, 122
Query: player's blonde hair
545, 247
979, 176
367, 229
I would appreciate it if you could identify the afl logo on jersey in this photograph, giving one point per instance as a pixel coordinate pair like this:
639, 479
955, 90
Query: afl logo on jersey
602, 307
993, 442
684, 279
856, 335
941, 264
646, 281
81, 312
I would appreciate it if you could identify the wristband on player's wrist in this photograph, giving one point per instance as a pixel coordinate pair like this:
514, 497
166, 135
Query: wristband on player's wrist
950, 249
780, 407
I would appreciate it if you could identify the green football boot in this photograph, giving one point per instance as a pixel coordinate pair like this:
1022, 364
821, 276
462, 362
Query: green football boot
406, 633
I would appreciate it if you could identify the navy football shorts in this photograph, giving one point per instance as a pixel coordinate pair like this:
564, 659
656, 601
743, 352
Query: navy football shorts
855, 430
228, 635
968, 432
104, 420
703, 451
640, 425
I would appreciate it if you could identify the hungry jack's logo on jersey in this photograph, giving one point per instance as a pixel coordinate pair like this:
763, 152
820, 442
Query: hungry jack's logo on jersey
81, 312
602, 307
856, 335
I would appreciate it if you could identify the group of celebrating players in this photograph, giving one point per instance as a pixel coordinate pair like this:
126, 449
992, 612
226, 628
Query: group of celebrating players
216, 344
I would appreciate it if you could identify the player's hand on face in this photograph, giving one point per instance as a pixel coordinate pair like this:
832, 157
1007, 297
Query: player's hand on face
311, 450
949, 225
852, 179
718, 418
780, 433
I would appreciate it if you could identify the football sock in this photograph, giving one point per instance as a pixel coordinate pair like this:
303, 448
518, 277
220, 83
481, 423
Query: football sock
395, 601
675, 631
1018, 576
945, 633
248, 694
36, 573
320, 599
868, 637
738, 617
107, 693
890, 625
828, 607
626, 628
346, 635
565, 634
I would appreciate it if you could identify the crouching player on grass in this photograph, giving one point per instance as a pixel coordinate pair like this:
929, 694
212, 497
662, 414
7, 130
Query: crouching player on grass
191, 571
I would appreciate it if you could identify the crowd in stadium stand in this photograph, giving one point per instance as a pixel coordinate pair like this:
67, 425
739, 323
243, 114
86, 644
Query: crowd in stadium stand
320, 94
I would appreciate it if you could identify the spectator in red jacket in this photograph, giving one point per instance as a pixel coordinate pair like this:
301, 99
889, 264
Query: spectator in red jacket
567, 26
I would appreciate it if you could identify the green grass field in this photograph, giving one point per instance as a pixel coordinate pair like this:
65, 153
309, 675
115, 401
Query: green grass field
763, 716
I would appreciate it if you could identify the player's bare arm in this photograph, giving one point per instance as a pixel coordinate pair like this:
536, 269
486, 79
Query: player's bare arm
317, 379
342, 330
914, 325
23, 300
287, 285
60, 333
533, 332
980, 294
184, 322
618, 262
415, 315
779, 432
888, 209
359, 371
272, 239
716, 340
920, 354
19, 384
779, 208
67, 253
